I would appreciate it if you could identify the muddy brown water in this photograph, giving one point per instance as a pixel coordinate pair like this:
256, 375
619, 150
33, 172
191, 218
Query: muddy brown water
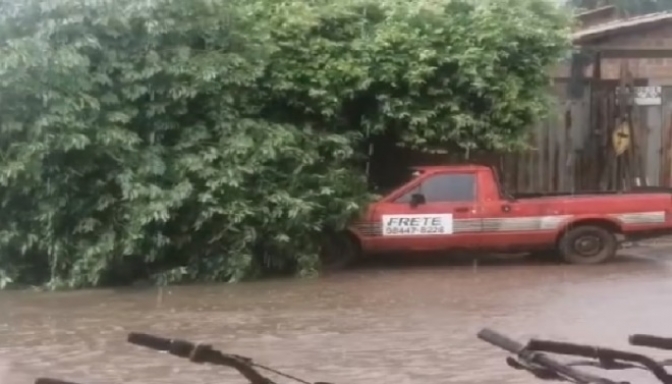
412, 324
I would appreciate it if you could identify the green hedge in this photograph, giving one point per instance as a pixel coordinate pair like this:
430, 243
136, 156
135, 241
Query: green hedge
215, 140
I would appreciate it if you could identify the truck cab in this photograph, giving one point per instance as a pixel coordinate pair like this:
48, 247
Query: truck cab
463, 208
439, 208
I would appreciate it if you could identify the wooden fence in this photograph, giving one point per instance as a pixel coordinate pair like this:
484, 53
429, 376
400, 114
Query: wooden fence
573, 149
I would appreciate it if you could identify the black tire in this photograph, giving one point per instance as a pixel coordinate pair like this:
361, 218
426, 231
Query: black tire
587, 244
338, 252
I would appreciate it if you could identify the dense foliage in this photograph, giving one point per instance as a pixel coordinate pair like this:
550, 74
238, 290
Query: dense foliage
216, 140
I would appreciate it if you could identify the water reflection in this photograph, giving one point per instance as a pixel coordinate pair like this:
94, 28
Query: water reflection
414, 324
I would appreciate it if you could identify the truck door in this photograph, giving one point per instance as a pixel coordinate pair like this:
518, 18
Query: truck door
441, 212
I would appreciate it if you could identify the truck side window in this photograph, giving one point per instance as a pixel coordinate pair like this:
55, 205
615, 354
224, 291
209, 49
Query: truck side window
445, 188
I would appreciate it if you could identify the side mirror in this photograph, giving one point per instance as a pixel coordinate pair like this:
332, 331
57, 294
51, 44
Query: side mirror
417, 199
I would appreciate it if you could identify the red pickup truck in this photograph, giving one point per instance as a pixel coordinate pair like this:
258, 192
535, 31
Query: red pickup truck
463, 208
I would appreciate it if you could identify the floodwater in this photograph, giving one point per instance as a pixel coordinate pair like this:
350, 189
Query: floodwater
407, 324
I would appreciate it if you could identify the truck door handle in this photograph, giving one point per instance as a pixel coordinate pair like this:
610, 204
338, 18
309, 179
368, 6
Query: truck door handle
462, 209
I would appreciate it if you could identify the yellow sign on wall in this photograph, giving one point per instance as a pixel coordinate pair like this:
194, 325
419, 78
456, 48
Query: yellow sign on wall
621, 138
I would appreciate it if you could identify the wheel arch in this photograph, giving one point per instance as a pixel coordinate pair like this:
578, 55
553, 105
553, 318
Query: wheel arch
355, 238
339, 249
609, 224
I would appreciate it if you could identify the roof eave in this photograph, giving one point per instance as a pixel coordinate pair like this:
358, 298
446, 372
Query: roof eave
609, 9
602, 31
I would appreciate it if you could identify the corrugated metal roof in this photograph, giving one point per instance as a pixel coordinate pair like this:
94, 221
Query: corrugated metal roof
620, 26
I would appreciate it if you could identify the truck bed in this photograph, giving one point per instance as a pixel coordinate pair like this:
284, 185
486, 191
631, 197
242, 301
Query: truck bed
635, 190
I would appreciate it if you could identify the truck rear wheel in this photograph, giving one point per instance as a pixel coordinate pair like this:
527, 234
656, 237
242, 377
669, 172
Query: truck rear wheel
339, 250
587, 244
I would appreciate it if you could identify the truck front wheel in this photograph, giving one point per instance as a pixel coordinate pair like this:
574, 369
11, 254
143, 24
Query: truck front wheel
587, 244
339, 250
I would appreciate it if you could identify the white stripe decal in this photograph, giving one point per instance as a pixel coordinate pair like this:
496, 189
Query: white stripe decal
641, 217
524, 224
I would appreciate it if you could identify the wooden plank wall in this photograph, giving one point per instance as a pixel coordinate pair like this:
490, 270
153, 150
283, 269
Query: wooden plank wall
553, 163
666, 138
566, 155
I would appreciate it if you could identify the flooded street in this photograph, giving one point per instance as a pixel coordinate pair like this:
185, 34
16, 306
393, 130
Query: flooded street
415, 324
